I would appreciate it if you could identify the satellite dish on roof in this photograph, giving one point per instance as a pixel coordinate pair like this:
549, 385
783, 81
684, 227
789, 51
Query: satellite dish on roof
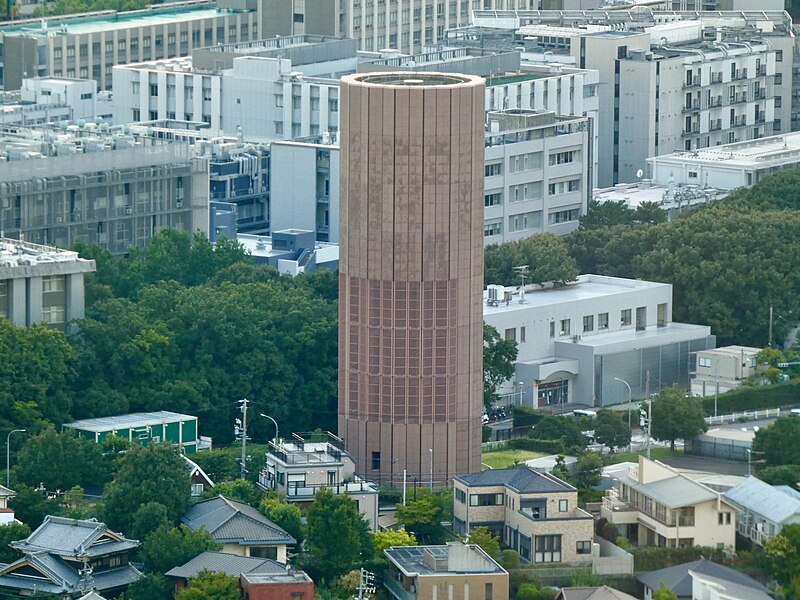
639, 173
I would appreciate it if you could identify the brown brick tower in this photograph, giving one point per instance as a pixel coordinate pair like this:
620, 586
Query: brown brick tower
411, 274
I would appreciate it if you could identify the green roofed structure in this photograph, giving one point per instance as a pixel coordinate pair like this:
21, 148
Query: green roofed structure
144, 429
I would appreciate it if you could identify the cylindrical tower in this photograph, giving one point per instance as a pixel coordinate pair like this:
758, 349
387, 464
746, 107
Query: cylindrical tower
411, 274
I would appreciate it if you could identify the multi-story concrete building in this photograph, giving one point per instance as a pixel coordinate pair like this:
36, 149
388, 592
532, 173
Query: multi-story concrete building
669, 81
87, 46
299, 468
729, 166
574, 341
87, 183
411, 266
719, 370
537, 174
655, 505
455, 571
41, 284
406, 26
534, 513
53, 100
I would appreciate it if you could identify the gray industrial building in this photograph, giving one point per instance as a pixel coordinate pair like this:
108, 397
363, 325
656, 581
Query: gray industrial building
88, 183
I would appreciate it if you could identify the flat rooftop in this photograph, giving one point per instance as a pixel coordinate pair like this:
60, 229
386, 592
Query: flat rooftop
19, 253
133, 420
464, 559
587, 287
763, 153
121, 20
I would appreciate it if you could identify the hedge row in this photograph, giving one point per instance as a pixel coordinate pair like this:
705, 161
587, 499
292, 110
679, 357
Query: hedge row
525, 416
534, 445
755, 398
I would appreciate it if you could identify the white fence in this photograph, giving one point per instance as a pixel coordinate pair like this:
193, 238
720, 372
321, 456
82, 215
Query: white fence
750, 415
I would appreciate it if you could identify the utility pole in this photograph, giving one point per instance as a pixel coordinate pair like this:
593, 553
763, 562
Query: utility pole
404, 487
243, 407
649, 412
366, 584
431, 451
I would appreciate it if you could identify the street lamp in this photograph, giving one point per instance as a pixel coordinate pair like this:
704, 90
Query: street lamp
8, 454
628, 385
276, 426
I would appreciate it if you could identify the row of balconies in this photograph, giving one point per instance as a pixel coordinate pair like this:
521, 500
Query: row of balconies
716, 77
717, 101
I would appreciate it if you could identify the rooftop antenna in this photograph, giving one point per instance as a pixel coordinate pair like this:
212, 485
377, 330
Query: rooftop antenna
521, 270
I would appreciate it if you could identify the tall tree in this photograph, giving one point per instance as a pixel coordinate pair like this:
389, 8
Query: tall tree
484, 538
610, 430
156, 473
284, 515
546, 256
779, 443
384, 540
587, 470
499, 358
422, 518
337, 536
677, 416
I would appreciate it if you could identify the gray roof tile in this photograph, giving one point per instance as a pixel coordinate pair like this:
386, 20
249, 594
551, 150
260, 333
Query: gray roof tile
235, 522
678, 580
73, 537
771, 502
593, 593
223, 562
522, 479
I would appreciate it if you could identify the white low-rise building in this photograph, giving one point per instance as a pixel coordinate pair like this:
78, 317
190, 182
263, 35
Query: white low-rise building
722, 369
575, 343
742, 164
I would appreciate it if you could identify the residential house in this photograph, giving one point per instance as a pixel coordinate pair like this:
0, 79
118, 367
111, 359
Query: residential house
143, 429
300, 467
679, 580
6, 513
92, 596
534, 513
455, 570
762, 510
201, 482
655, 505
707, 587
240, 528
222, 562
592, 593
68, 557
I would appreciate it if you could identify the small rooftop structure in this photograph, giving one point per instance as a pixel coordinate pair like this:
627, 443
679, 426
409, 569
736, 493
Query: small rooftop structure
133, 421
453, 558
258, 578
17, 253
592, 593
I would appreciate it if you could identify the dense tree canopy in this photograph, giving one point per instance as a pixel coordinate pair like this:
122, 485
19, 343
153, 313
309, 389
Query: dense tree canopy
779, 444
544, 254
169, 547
611, 430
155, 473
211, 586
677, 416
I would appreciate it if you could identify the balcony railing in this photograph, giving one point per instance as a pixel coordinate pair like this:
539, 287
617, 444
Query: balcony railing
693, 82
716, 77
715, 102
751, 533
396, 588
761, 71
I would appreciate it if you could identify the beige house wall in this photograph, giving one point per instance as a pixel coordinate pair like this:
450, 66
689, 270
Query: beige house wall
444, 587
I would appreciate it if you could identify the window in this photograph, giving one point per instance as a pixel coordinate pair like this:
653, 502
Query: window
53, 283
333, 105
588, 323
461, 496
376, 461
778, 78
70, 51
54, 315
511, 334
278, 127
296, 100
57, 53
494, 199
278, 100
488, 591
486, 499
779, 56
495, 228
524, 162
724, 518
602, 321
625, 317
314, 103
564, 216
563, 505
562, 158
493, 169
563, 187
552, 329
583, 547
197, 490
521, 334
564, 327
298, 17
525, 221
109, 47
154, 89
703, 361
547, 548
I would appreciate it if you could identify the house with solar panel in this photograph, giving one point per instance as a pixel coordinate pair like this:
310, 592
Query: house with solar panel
144, 429
69, 557
240, 528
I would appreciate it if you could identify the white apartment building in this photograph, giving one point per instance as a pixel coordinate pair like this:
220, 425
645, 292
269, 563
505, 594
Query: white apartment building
729, 166
405, 25
574, 342
669, 81
537, 174
88, 46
